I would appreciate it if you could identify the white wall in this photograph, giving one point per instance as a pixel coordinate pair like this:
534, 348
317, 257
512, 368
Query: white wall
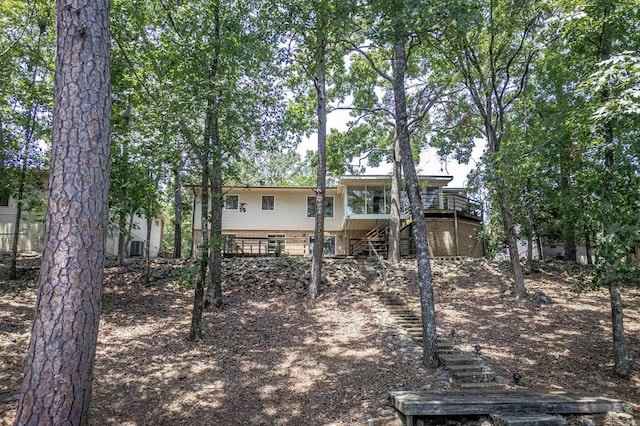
138, 233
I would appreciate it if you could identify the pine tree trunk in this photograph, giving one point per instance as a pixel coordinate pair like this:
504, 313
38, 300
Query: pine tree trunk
427, 303
59, 366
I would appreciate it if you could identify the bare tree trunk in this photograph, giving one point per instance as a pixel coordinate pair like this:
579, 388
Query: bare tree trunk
177, 211
147, 252
203, 248
529, 243
394, 218
427, 303
214, 292
321, 172
512, 239
122, 237
59, 366
568, 222
587, 246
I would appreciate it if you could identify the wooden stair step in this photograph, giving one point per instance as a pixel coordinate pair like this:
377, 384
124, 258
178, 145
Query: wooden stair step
483, 402
517, 419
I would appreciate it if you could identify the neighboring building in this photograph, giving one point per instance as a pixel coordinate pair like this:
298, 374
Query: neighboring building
31, 233
136, 242
31, 227
262, 220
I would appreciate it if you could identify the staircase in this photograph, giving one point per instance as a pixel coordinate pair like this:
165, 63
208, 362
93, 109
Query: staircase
480, 392
467, 369
376, 236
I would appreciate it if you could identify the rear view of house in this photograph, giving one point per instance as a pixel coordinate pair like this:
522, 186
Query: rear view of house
272, 220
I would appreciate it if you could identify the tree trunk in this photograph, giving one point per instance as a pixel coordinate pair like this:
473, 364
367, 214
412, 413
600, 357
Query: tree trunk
214, 292
394, 218
568, 221
122, 237
512, 238
530, 237
147, 252
13, 268
59, 365
587, 246
429, 344
620, 354
198, 298
177, 212
321, 172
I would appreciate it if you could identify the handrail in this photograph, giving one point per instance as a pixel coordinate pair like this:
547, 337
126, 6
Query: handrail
383, 271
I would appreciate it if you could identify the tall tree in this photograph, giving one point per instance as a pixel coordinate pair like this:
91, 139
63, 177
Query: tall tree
59, 366
320, 84
492, 44
316, 30
606, 10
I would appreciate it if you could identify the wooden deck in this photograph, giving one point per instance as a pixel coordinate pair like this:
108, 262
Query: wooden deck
413, 404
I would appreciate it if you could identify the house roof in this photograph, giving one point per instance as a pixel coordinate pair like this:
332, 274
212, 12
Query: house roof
344, 181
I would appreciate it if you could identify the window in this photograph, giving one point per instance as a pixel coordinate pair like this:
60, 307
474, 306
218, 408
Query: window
311, 206
231, 202
4, 201
369, 200
268, 202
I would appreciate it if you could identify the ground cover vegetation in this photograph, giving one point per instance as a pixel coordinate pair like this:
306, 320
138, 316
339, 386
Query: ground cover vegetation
199, 93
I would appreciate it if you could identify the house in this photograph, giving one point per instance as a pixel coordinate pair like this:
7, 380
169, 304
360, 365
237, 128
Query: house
31, 234
263, 220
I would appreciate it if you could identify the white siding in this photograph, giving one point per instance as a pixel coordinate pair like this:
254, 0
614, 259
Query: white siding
290, 211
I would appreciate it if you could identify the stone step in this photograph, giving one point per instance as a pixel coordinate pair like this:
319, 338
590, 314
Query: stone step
516, 419
466, 368
487, 386
486, 376
447, 351
458, 359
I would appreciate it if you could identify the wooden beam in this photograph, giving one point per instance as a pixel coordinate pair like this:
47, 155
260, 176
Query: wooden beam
456, 403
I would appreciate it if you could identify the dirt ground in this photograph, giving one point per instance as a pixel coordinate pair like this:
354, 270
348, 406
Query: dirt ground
271, 357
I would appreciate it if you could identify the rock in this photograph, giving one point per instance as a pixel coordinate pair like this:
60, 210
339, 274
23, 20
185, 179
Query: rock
541, 298
619, 419
583, 421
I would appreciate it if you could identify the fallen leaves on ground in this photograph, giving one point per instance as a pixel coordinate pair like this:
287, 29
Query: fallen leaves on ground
272, 357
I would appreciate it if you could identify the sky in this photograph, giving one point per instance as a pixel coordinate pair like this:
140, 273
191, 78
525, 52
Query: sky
429, 161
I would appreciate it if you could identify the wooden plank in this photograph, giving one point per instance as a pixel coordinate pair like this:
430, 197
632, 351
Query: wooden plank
468, 402
514, 419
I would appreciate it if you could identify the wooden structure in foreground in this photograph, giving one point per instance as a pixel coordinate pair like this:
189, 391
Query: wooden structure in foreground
413, 405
